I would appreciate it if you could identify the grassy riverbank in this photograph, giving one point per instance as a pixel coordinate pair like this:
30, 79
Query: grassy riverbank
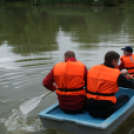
109, 3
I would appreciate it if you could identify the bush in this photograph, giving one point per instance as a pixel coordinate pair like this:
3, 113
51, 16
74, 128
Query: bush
108, 2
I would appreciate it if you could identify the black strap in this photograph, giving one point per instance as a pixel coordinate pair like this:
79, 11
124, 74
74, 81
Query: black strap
70, 90
101, 94
130, 68
131, 73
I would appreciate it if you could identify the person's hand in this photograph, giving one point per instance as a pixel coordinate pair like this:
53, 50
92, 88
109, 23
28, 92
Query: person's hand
124, 71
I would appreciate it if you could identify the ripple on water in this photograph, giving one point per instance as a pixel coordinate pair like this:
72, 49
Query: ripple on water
18, 123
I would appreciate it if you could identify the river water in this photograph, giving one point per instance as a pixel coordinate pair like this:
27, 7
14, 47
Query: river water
34, 39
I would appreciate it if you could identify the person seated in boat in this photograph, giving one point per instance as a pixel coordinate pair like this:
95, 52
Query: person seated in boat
103, 81
127, 60
70, 77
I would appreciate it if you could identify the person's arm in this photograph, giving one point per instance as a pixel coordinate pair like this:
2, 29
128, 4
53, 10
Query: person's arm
121, 66
124, 82
48, 81
85, 77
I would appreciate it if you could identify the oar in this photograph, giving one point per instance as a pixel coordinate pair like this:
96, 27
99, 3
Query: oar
29, 105
130, 76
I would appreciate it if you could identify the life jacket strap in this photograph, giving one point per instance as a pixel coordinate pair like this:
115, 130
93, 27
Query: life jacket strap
101, 94
70, 90
131, 73
130, 68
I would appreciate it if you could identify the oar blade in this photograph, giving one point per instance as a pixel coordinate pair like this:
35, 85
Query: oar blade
29, 105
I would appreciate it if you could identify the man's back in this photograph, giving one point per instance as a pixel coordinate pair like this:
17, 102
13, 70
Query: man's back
70, 78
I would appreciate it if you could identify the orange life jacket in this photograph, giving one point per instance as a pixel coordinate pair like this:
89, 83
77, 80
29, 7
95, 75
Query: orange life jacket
129, 63
102, 83
69, 77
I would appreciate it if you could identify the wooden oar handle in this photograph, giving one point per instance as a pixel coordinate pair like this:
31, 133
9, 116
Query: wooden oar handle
44, 95
130, 76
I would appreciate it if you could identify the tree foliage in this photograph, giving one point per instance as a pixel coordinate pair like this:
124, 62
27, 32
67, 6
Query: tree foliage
72, 2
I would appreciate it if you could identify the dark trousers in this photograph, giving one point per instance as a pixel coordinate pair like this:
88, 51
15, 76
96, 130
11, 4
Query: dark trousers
105, 108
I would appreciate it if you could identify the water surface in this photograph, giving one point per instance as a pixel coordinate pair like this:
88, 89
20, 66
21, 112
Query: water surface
34, 39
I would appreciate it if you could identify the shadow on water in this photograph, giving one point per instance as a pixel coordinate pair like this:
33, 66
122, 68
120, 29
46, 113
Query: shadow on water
127, 126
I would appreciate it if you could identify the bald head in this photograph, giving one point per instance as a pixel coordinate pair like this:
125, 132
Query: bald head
69, 54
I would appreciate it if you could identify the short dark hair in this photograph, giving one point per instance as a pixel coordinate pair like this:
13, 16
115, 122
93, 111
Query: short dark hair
110, 56
69, 54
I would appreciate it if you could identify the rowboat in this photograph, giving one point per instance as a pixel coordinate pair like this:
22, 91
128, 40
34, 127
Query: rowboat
54, 117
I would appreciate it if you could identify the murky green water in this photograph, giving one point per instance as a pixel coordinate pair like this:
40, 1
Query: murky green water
33, 39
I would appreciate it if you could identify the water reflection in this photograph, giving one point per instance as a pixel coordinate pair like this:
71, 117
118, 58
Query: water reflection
34, 30
27, 28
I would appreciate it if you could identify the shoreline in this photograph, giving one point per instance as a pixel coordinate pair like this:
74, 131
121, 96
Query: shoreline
26, 4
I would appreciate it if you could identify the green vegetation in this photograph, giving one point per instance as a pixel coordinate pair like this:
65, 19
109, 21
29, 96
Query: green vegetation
67, 2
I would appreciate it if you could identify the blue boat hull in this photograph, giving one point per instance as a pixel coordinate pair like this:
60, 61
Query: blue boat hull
54, 117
